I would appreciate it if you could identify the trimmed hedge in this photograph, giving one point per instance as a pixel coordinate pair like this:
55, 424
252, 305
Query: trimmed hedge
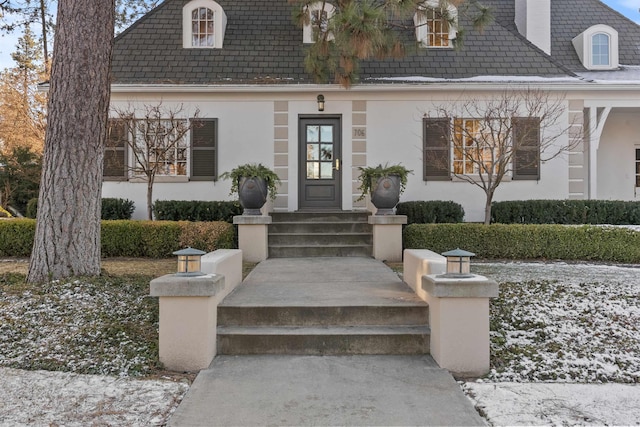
515, 241
432, 211
117, 208
123, 238
112, 208
613, 212
195, 210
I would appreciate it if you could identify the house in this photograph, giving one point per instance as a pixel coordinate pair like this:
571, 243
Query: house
240, 64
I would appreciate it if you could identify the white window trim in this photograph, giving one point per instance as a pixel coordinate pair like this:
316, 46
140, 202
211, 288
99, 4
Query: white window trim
422, 30
219, 25
583, 46
307, 30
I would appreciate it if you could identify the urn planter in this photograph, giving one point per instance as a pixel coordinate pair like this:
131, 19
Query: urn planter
252, 192
384, 184
253, 183
385, 195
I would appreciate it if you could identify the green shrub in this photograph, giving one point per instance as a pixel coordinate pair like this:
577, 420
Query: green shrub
432, 211
111, 208
516, 241
16, 237
180, 210
124, 238
117, 208
613, 212
32, 208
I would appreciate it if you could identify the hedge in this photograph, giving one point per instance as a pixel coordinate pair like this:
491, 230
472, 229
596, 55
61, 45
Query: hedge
515, 241
432, 211
613, 212
195, 210
112, 208
122, 238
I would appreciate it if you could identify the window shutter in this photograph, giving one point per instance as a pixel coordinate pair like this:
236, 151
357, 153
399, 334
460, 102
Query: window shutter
115, 155
436, 149
204, 150
526, 155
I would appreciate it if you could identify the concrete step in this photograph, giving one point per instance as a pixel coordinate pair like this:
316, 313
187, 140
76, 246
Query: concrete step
408, 315
357, 340
338, 216
320, 234
304, 251
320, 239
319, 227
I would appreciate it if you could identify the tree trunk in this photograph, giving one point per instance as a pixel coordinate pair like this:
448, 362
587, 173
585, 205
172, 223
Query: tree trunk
67, 240
487, 208
45, 48
150, 180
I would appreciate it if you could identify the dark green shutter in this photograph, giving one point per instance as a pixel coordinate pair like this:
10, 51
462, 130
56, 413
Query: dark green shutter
437, 146
115, 155
526, 154
204, 150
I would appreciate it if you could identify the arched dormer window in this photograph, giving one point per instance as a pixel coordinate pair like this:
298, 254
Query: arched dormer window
435, 26
597, 47
317, 22
203, 25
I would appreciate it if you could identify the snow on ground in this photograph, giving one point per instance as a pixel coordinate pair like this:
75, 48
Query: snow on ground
556, 404
43, 398
572, 325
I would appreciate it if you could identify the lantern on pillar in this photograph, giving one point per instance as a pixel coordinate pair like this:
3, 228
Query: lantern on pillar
458, 264
189, 261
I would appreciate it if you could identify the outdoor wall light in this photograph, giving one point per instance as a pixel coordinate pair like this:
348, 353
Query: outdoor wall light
458, 264
189, 262
320, 102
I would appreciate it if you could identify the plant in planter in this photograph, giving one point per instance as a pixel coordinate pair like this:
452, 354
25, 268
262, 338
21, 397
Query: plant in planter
385, 184
253, 183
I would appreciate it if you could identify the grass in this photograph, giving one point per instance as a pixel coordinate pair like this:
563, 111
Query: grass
104, 325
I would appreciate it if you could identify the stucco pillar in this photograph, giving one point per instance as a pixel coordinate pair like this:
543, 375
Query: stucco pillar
387, 236
188, 309
459, 321
253, 236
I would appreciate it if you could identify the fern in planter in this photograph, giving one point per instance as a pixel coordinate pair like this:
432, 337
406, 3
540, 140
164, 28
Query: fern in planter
253, 170
369, 176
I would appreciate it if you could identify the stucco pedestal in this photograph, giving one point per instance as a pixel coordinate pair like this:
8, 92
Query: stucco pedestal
188, 309
459, 321
387, 236
253, 236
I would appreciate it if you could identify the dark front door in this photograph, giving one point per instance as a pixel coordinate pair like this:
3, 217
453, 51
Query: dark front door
320, 163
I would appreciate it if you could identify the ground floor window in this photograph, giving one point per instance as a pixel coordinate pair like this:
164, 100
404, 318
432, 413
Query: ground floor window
638, 167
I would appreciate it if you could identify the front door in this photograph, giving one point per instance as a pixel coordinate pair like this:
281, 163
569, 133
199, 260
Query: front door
320, 167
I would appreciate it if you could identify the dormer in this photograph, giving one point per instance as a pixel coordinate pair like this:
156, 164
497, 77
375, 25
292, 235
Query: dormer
203, 25
436, 27
317, 21
597, 47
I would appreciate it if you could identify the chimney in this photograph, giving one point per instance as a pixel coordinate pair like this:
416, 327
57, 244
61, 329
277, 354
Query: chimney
533, 20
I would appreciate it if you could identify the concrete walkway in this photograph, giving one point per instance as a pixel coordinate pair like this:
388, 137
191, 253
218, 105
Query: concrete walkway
324, 390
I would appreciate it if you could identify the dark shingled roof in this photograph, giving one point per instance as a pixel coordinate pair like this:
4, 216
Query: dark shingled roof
262, 45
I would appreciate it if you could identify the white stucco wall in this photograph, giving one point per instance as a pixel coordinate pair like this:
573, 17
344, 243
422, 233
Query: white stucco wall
245, 135
393, 134
616, 155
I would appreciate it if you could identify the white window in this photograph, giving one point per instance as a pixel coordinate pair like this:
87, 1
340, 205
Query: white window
317, 22
435, 26
637, 167
203, 25
600, 50
162, 145
476, 143
597, 47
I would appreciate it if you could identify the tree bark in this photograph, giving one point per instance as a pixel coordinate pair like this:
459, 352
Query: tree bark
150, 179
487, 208
67, 240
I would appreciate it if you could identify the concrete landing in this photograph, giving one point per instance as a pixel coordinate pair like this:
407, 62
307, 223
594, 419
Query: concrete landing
325, 390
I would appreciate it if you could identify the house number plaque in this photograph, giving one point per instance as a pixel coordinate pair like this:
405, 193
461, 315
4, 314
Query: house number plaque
359, 132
